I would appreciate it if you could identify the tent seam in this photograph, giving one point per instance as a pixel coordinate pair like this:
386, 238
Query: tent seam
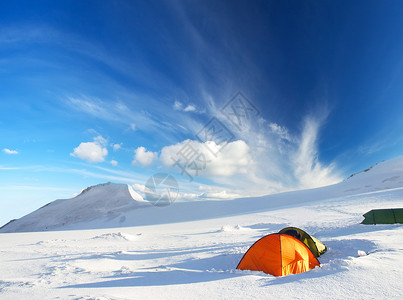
281, 255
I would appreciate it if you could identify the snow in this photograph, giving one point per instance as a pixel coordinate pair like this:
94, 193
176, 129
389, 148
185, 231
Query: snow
190, 250
104, 201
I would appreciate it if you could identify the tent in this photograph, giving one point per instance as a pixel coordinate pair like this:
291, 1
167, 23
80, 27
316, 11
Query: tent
278, 255
312, 243
383, 216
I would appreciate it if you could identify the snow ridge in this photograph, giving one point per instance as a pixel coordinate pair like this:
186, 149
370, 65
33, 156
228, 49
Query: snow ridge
104, 201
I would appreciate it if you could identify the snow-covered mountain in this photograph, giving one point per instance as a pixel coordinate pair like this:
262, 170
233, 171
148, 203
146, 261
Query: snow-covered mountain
116, 205
103, 201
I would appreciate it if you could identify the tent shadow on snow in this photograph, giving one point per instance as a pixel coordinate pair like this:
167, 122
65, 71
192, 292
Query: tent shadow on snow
219, 263
160, 278
150, 255
186, 272
335, 260
191, 270
342, 249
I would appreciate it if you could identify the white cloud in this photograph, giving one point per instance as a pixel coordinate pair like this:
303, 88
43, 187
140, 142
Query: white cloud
114, 162
92, 152
8, 151
233, 159
116, 147
190, 108
140, 187
213, 192
143, 157
208, 192
180, 107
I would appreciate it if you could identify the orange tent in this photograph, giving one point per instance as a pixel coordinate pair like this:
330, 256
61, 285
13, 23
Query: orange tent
278, 255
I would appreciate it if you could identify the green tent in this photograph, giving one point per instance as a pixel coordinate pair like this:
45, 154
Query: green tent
312, 243
383, 216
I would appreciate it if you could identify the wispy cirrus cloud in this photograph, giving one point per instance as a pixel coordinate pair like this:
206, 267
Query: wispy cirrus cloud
119, 112
308, 169
281, 131
25, 34
271, 159
105, 110
9, 168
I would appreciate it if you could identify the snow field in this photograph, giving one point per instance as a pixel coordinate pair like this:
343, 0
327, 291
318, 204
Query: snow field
197, 259
127, 249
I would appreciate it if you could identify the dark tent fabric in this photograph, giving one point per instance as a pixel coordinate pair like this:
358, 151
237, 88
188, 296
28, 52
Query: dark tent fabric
316, 246
383, 216
278, 255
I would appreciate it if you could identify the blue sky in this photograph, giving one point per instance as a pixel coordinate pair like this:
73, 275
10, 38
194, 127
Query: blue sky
96, 91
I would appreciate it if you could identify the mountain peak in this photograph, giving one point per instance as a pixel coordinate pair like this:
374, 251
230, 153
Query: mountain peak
94, 187
106, 200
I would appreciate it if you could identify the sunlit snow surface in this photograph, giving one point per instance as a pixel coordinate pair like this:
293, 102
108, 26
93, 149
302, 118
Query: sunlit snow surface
192, 250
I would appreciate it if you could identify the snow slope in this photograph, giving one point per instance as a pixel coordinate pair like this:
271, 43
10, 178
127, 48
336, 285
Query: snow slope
190, 250
116, 205
103, 201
